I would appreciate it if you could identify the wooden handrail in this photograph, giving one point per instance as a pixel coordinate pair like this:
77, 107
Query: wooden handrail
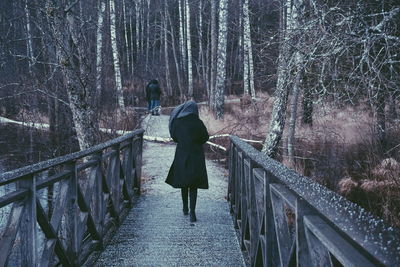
287, 219
14, 175
75, 201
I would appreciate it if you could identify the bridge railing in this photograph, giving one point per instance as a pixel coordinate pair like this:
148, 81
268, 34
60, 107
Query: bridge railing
285, 219
61, 210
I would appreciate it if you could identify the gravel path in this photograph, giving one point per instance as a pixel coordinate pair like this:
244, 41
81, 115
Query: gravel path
156, 233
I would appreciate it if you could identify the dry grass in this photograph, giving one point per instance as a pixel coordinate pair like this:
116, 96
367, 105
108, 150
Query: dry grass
340, 150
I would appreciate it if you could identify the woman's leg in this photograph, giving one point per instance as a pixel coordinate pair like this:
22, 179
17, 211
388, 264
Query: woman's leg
184, 193
193, 199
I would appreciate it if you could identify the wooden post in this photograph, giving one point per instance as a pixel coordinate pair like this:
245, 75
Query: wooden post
281, 228
138, 164
271, 248
72, 241
116, 178
99, 211
28, 224
302, 250
232, 176
253, 215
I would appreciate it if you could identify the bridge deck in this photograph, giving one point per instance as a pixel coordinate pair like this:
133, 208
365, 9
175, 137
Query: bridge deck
156, 233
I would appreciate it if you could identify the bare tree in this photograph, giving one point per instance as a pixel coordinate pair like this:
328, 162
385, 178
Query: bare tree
67, 35
116, 60
221, 59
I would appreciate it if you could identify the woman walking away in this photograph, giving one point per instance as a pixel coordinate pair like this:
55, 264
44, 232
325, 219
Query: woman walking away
188, 170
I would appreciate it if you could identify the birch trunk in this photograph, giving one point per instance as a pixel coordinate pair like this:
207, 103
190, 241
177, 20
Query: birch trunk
126, 36
248, 49
182, 36
115, 54
65, 32
99, 50
213, 57
178, 71
147, 33
29, 46
189, 51
221, 60
278, 116
307, 106
201, 70
293, 111
166, 54
137, 25
132, 43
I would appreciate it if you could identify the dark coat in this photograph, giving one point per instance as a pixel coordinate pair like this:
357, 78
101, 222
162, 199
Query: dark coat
153, 91
189, 166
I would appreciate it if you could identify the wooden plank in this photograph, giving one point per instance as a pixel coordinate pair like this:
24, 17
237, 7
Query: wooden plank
10, 231
231, 171
243, 204
98, 213
138, 143
107, 199
52, 179
259, 192
343, 250
303, 253
73, 244
54, 245
271, 250
281, 227
91, 225
52, 240
253, 214
28, 228
115, 180
9, 198
284, 193
87, 164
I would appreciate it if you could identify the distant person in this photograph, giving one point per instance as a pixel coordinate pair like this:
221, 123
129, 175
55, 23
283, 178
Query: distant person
188, 170
153, 95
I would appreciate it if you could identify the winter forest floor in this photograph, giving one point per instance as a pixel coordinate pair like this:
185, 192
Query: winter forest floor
156, 233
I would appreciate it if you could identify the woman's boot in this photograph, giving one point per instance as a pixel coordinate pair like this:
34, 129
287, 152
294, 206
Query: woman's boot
193, 198
184, 193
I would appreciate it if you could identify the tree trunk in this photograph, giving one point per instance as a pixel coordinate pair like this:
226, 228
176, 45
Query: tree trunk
115, 54
99, 50
221, 60
248, 69
137, 25
178, 70
293, 111
126, 38
189, 51
65, 31
29, 52
381, 117
278, 116
166, 54
182, 44
213, 57
201, 63
307, 106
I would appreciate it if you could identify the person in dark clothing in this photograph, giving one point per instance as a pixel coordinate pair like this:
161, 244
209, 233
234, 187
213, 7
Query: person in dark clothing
188, 170
153, 95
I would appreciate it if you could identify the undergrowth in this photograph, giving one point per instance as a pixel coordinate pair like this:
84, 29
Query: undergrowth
340, 150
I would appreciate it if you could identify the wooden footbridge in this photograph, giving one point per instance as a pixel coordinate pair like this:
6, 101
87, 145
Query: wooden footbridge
66, 210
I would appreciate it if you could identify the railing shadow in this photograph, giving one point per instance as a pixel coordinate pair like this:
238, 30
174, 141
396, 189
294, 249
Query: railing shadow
285, 219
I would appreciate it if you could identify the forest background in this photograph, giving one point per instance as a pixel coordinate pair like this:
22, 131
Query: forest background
311, 83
